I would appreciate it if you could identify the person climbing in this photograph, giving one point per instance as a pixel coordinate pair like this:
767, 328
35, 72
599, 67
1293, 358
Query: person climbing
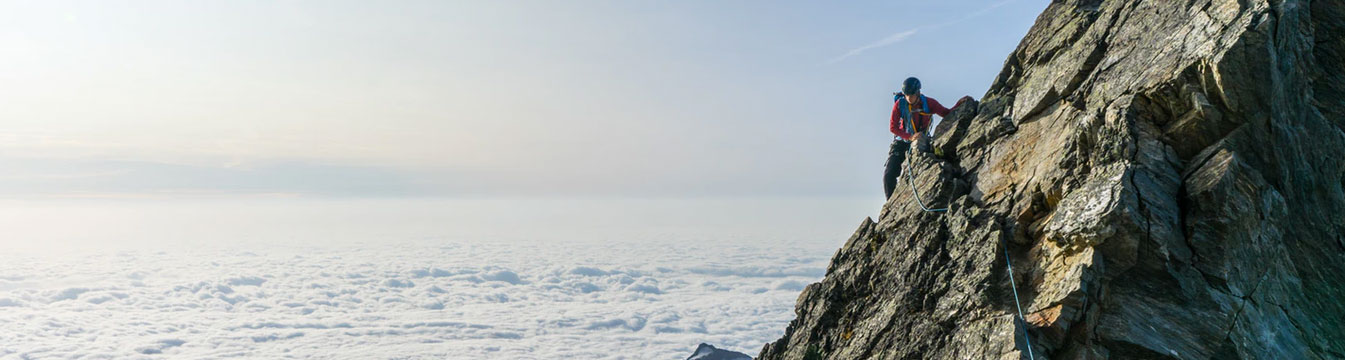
912, 114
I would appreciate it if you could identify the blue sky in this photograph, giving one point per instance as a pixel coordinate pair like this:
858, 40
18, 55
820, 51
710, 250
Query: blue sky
476, 98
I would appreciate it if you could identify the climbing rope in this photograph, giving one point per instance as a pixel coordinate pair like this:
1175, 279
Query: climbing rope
1012, 284
910, 181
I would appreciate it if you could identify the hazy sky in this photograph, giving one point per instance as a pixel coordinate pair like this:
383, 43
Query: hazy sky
476, 98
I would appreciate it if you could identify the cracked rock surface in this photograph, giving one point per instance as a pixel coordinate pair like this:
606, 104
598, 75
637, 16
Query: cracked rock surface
1167, 177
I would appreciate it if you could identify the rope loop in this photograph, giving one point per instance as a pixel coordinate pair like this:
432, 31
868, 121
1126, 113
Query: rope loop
910, 180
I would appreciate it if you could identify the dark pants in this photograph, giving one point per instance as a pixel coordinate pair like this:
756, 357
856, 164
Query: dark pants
895, 156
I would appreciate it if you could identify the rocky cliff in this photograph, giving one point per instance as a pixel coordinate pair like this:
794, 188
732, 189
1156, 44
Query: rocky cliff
1165, 176
709, 352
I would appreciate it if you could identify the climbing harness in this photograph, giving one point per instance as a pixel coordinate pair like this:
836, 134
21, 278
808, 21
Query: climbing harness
908, 112
910, 180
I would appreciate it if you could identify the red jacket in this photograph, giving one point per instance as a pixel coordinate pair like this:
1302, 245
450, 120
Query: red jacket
920, 119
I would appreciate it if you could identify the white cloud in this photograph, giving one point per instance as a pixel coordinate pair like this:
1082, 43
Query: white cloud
889, 40
506, 300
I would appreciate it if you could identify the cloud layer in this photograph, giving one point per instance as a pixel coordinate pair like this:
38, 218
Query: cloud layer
448, 300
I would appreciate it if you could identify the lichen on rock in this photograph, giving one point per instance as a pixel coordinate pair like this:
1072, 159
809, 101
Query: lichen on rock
1168, 178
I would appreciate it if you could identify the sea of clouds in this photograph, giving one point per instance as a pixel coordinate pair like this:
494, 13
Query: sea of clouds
655, 297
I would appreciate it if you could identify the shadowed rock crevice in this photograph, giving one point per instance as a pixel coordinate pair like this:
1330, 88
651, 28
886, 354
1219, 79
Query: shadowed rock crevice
1167, 177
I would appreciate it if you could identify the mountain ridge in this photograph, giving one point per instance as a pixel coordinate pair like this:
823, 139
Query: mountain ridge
1168, 178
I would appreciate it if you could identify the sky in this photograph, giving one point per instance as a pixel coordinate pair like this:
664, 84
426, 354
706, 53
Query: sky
475, 98
593, 154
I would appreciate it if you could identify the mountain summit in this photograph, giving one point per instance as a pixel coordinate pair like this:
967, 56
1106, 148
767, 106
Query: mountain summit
1167, 179
708, 352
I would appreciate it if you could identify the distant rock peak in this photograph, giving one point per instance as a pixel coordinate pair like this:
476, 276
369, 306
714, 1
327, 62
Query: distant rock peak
709, 352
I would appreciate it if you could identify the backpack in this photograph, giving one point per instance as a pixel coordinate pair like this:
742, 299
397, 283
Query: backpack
906, 112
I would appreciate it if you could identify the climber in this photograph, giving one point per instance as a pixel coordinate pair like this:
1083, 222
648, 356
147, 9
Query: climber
912, 115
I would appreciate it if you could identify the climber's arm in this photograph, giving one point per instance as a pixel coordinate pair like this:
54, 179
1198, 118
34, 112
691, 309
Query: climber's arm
937, 108
896, 119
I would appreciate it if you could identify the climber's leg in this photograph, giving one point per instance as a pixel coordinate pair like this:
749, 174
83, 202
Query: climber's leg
895, 156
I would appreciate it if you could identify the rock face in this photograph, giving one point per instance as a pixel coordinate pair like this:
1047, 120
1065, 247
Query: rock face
1167, 177
709, 352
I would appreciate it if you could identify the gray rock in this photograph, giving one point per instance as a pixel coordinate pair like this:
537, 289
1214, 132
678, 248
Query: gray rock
1168, 178
709, 352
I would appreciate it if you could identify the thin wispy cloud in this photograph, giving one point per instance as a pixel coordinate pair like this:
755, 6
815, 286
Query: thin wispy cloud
902, 36
889, 40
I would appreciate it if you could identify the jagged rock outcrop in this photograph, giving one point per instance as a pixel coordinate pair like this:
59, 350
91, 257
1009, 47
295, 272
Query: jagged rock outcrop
1168, 178
709, 352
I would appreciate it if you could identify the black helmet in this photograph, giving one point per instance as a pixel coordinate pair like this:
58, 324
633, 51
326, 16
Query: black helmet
911, 86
